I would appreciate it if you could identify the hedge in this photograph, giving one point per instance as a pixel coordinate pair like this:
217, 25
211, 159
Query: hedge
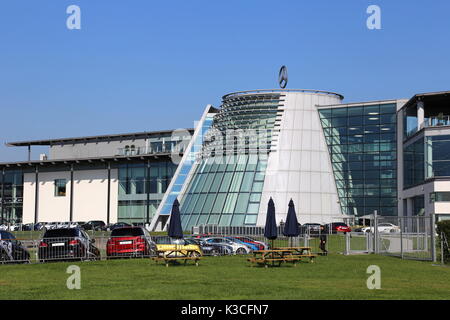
444, 227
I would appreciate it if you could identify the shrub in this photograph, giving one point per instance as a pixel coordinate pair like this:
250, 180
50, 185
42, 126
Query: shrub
444, 227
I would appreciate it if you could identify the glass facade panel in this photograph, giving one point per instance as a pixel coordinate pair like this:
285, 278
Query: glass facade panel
224, 193
232, 186
440, 197
11, 196
137, 182
437, 156
414, 163
363, 155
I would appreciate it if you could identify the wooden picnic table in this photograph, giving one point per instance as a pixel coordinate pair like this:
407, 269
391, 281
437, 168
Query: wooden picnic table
273, 257
277, 256
302, 252
177, 254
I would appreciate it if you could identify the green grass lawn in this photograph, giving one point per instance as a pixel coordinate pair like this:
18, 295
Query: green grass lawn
331, 277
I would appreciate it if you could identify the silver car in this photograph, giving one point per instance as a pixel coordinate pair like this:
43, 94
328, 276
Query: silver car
238, 248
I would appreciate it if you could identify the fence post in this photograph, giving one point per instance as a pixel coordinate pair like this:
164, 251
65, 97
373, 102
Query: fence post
347, 243
375, 231
401, 236
442, 248
305, 239
433, 238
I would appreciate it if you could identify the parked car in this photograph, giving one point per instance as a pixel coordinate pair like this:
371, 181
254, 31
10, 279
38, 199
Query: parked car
14, 227
50, 225
130, 242
260, 244
336, 227
11, 249
67, 244
253, 246
28, 227
113, 226
39, 226
95, 225
238, 247
211, 249
383, 227
167, 244
76, 224
310, 228
64, 225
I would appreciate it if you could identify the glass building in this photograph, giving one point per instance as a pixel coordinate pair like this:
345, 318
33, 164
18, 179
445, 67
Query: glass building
425, 157
228, 179
242, 161
362, 143
335, 160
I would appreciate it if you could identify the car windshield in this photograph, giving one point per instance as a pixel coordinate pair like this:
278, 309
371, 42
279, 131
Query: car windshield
127, 232
61, 233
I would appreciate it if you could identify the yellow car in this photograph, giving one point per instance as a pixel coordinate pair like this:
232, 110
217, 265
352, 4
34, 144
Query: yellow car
181, 247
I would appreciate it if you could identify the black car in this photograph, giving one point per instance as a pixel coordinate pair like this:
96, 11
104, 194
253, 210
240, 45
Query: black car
310, 228
118, 225
67, 244
11, 249
95, 225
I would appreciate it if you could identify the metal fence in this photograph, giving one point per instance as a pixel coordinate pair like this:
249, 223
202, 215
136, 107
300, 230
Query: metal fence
405, 237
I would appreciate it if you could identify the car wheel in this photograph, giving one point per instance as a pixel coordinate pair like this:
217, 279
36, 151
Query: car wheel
241, 251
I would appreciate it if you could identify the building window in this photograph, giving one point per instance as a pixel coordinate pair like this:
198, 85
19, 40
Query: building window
362, 143
60, 187
440, 197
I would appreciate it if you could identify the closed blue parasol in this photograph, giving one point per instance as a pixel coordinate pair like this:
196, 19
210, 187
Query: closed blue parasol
291, 227
175, 230
270, 230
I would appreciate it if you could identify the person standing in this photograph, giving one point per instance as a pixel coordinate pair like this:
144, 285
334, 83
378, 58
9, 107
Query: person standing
323, 241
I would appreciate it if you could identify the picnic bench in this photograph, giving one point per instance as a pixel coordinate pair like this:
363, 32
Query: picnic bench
302, 252
273, 257
173, 255
277, 256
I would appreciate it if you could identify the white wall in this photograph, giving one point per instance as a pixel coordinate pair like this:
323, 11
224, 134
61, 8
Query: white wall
89, 196
299, 167
425, 190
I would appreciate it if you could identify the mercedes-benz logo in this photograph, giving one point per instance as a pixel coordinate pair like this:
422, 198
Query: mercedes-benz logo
283, 77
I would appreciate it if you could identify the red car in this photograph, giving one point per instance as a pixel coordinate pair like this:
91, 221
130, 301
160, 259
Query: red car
129, 242
259, 244
336, 227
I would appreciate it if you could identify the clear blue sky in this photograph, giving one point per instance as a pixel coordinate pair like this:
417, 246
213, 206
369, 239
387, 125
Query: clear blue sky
148, 65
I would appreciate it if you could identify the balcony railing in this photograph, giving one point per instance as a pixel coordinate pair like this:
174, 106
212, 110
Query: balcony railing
437, 121
136, 151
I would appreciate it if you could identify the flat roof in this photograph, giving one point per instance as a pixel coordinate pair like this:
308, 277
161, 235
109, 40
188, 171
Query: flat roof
49, 142
31, 163
358, 104
428, 95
